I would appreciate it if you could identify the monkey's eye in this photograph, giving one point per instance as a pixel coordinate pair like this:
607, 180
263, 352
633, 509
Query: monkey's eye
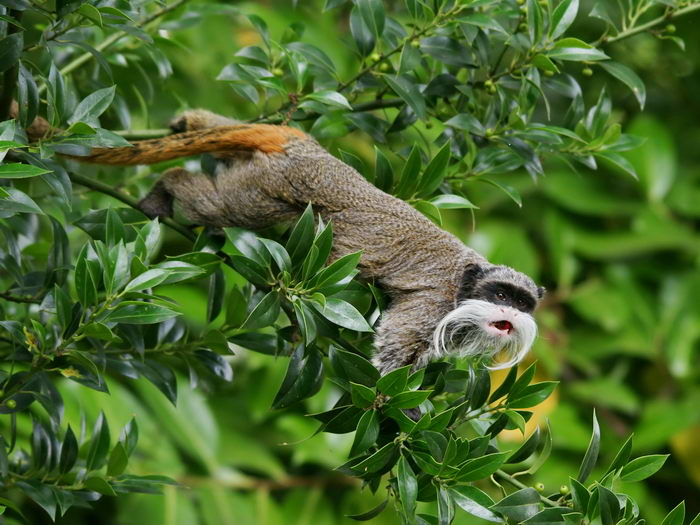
500, 296
521, 303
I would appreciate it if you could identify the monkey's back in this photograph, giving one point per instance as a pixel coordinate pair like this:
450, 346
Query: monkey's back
402, 249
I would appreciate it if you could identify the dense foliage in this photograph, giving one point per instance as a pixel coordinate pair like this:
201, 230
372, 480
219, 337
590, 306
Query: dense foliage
449, 105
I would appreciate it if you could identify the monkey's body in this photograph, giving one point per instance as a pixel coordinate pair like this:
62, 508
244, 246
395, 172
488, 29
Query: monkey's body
268, 175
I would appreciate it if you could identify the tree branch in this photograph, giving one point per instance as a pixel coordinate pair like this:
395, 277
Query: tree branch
652, 23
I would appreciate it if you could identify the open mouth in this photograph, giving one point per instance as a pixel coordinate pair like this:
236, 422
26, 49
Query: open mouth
504, 326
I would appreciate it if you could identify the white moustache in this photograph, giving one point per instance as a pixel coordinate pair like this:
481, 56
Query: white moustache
469, 331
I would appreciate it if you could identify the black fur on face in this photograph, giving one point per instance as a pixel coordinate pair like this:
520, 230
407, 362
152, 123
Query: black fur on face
477, 283
471, 276
506, 294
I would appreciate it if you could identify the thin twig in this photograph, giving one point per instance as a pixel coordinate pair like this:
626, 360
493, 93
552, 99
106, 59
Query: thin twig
652, 23
19, 299
517, 484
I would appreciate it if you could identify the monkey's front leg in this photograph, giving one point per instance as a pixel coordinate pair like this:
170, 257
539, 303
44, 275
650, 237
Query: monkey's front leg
196, 193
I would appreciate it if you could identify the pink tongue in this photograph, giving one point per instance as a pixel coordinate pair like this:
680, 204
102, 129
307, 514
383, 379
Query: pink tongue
506, 326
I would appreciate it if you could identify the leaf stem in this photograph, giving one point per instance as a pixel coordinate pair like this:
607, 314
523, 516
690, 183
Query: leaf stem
652, 23
517, 484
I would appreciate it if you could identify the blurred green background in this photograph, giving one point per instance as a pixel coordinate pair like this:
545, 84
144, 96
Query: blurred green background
620, 327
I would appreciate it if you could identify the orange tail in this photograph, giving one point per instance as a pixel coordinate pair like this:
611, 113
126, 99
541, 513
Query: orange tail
244, 137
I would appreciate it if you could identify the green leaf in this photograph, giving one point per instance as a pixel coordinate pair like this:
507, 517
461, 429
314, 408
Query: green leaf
562, 17
134, 312
265, 312
405, 88
435, 171
278, 254
18, 202
249, 245
20, 171
591, 456
408, 487
394, 382
303, 379
520, 505
676, 516
475, 502
482, 467
380, 461
643, 467
376, 511
330, 98
93, 106
69, 452
446, 508
551, 516
526, 449
450, 202
628, 77
535, 22
336, 271
343, 314
483, 21
353, 367
429, 210
572, 49
99, 444
372, 13
467, 122
608, 505
179, 271
10, 50
447, 50
99, 484
117, 460
408, 180
366, 433
383, 172
622, 456
361, 32
148, 279
41, 494
580, 495
507, 189
409, 399
532, 395
362, 396
302, 236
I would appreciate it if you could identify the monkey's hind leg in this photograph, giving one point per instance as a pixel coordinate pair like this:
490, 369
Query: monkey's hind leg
194, 119
196, 193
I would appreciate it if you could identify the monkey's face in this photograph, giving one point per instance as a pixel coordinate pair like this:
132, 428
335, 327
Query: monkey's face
493, 315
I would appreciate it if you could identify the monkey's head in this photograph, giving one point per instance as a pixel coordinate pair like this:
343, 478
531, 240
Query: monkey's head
493, 314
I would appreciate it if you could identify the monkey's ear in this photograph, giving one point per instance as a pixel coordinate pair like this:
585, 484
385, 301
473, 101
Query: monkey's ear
471, 275
541, 290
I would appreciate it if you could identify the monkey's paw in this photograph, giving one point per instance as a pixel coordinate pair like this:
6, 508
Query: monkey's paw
156, 204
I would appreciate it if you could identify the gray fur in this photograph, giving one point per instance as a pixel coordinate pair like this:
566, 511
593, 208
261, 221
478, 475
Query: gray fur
418, 265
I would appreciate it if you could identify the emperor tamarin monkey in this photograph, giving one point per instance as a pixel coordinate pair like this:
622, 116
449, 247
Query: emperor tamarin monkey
444, 297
